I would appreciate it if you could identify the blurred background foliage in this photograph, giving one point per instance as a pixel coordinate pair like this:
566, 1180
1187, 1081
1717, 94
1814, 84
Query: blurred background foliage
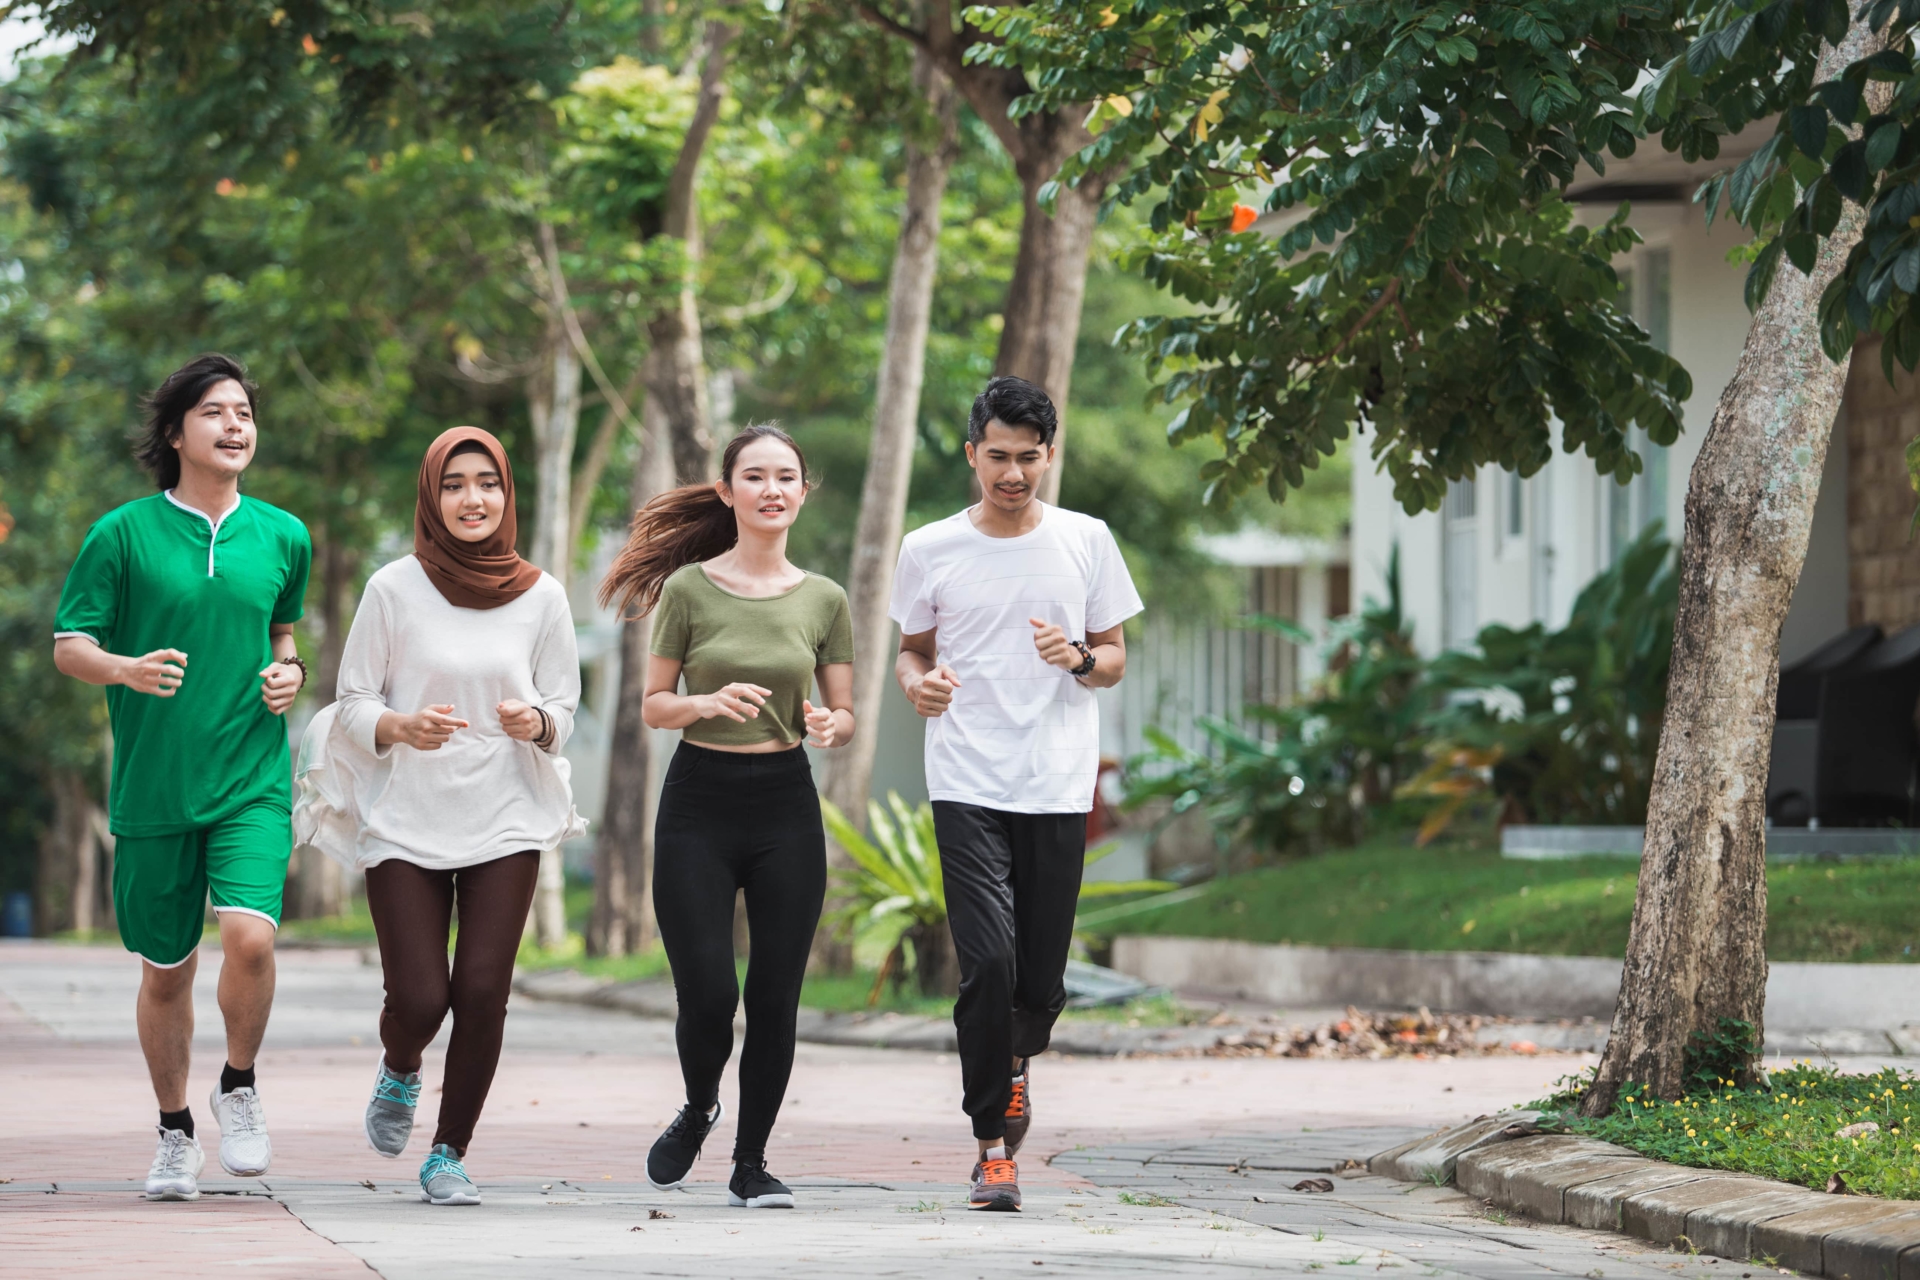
346, 198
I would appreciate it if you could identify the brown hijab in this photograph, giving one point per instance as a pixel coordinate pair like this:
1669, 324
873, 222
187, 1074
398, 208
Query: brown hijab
471, 575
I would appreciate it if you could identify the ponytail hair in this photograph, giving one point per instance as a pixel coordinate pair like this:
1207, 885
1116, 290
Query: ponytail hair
682, 526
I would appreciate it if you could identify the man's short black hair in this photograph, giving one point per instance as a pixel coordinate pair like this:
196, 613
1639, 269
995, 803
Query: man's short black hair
1016, 403
166, 409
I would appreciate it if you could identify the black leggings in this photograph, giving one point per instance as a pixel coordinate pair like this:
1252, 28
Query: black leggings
730, 821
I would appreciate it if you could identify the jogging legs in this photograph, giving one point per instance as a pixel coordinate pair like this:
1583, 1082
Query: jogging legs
1013, 882
412, 908
731, 821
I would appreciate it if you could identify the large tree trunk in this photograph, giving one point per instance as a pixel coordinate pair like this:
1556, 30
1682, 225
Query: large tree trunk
883, 495
623, 853
553, 403
1697, 950
1042, 311
66, 878
675, 374
316, 885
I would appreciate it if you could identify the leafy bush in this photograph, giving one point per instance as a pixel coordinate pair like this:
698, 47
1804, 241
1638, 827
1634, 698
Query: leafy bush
1547, 726
1311, 774
1562, 725
895, 884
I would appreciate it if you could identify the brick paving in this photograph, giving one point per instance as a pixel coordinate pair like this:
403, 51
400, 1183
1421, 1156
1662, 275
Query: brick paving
872, 1139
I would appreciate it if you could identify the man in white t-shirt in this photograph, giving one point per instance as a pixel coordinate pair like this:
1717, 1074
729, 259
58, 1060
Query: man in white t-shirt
1010, 617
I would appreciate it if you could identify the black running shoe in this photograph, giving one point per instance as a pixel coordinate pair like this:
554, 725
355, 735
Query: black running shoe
752, 1187
675, 1150
1019, 1109
996, 1187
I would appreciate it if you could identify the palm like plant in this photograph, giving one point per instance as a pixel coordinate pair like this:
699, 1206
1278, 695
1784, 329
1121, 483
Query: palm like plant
896, 880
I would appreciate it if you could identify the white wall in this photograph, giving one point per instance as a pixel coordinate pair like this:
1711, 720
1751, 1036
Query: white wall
1536, 576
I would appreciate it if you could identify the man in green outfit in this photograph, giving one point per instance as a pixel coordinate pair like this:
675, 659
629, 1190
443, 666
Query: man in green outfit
196, 579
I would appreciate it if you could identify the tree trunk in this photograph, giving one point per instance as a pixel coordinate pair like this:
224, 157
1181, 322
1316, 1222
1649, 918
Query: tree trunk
623, 853
675, 374
883, 495
553, 403
316, 885
1696, 953
936, 965
66, 882
1042, 312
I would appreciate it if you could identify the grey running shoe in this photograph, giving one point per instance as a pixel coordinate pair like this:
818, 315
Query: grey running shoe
444, 1180
245, 1148
389, 1121
1019, 1109
175, 1174
996, 1186
752, 1187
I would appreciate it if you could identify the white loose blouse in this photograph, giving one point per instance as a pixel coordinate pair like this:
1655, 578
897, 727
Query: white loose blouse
479, 796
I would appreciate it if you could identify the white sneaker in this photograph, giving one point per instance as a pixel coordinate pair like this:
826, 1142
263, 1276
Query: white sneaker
175, 1174
245, 1148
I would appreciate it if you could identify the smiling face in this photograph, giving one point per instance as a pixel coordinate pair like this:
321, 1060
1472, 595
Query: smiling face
473, 500
1009, 462
767, 487
217, 434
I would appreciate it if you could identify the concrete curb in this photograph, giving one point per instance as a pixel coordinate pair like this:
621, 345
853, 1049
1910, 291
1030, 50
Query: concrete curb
1811, 1008
1558, 1178
655, 999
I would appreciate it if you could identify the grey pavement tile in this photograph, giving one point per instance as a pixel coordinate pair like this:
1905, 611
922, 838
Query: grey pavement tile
1661, 1215
1596, 1205
1727, 1229
1798, 1239
1887, 1248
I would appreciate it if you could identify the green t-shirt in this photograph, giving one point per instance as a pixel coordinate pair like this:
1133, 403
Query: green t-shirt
155, 574
720, 638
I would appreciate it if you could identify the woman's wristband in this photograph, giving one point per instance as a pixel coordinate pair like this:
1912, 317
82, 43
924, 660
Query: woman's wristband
545, 738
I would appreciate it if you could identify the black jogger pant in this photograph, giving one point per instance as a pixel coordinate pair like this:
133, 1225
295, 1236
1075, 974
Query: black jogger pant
412, 908
731, 821
1013, 881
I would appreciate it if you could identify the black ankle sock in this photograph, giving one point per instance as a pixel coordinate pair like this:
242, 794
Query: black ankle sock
232, 1077
181, 1120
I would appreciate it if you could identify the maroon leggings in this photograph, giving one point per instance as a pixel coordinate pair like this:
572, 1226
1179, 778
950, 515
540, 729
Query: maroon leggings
412, 907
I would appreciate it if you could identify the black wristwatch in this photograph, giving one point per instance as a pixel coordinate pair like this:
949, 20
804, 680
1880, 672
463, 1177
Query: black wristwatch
1087, 660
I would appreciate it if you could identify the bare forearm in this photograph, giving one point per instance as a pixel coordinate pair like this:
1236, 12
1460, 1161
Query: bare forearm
84, 660
669, 711
284, 646
910, 668
1109, 665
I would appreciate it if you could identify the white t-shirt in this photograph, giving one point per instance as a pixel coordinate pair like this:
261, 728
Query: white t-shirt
1021, 735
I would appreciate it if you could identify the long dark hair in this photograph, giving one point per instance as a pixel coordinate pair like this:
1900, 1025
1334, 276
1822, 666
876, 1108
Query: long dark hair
681, 527
167, 407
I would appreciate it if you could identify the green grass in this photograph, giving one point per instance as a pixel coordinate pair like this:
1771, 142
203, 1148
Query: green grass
1466, 897
1784, 1132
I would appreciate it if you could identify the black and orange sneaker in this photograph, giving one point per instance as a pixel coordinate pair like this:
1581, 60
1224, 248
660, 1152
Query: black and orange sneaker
1019, 1110
996, 1185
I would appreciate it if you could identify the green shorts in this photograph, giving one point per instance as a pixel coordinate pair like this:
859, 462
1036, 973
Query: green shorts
161, 884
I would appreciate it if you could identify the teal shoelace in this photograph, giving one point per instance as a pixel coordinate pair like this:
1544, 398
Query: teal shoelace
394, 1088
439, 1162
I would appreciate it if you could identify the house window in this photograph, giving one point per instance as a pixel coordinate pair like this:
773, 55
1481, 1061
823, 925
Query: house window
1459, 556
1626, 510
1516, 506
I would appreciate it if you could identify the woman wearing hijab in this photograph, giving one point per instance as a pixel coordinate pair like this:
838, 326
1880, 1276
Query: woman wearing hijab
457, 690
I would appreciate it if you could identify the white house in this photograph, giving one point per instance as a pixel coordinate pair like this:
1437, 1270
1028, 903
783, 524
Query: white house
1503, 549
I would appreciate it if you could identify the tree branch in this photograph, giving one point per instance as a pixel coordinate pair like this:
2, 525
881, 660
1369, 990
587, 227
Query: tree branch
1388, 297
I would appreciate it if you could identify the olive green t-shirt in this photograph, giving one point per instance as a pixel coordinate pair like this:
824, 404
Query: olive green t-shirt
156, 574
720, 638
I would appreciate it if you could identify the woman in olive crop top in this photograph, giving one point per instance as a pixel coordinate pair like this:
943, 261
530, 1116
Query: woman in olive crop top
749, 635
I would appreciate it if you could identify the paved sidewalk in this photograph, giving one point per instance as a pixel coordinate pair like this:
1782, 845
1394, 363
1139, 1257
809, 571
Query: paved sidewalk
873, 1140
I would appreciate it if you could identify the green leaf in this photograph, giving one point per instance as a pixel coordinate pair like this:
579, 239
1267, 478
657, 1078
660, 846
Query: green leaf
1808, 125
1882, 147
1906, 271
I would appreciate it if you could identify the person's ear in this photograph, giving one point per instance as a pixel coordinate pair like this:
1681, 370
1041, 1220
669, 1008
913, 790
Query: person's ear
724, 490
971, 460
